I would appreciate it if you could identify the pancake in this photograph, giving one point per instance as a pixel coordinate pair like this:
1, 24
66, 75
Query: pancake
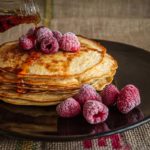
34, 78
27, 103
105, 67
62, 63
44, 99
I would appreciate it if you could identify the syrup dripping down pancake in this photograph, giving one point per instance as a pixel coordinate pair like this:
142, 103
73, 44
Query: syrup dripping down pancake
34, 78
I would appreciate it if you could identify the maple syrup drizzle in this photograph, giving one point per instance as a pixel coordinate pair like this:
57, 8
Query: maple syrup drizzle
20, 86
25, 68
9, 21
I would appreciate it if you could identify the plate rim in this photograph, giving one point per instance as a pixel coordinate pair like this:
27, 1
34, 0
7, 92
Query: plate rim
54, 138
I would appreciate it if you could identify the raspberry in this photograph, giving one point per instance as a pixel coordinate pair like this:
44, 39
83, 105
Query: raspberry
68, 108
87, 92
128, 98
95, 112
43, 32
26, 43
69, 42
57, 35
32, 37
49, 45
109, 95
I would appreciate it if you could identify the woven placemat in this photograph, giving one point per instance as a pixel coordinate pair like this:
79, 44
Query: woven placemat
135, 139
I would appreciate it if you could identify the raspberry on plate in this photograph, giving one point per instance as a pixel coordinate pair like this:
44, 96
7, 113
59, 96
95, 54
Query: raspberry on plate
95, 112
109, 95
26, 43
68, 108
87, 92
128, 98
57, 35
69, 42
43, 32
49, 45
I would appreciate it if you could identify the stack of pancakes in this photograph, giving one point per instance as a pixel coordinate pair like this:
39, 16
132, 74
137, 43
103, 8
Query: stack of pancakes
34, 78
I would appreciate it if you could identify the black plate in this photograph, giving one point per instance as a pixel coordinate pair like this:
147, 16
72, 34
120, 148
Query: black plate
42, 123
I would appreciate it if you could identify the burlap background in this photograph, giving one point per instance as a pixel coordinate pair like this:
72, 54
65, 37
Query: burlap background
126, 21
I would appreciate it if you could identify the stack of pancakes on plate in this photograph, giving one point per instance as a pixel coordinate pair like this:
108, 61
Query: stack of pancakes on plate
35, 78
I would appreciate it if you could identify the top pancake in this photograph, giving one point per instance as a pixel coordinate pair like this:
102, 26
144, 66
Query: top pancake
35, 78
60, 64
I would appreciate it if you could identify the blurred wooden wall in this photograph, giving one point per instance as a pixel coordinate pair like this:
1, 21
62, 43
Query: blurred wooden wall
118, 20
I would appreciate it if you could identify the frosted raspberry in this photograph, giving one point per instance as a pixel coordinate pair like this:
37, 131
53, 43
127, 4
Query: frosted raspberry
69, 42
128, 98
49, 45
109, 95
68, 108
95, 112
43, 32
57, 35
26, 43
87, 92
